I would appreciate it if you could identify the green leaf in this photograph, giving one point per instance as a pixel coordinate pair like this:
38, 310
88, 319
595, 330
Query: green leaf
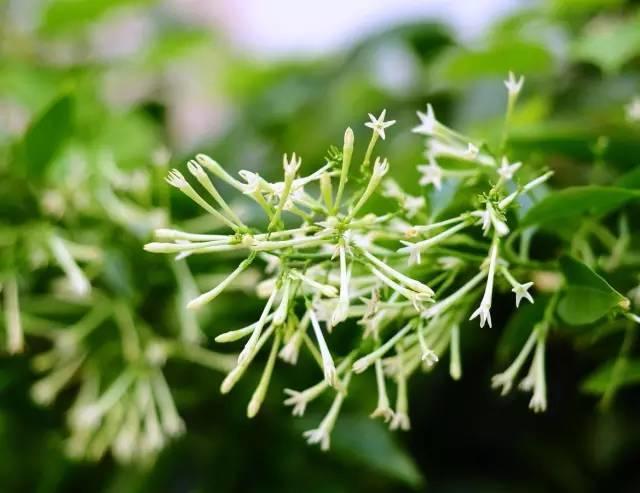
66, 15
578, 201
612, 44
366, 441
598, 382
47, 134
630, 179
588, 296
457, 65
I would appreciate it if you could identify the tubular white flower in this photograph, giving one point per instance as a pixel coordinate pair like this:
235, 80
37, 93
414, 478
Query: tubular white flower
520, 290
455, 365
177, 180
428, 355
416, 286
326, 289
365, 362
507, 170
632, 110
380, 168
340, 313
13, 321
428, 122
211, 294
504, 203
424, 244
280, 315
514, 85
483, 310
400, 418
430, 174
383, 409
261, 390
196, 170
539, 400
328, 366
79, 283
443, 305
249, 348
234, 375
378, 124
506, 378
322, 434
416, 298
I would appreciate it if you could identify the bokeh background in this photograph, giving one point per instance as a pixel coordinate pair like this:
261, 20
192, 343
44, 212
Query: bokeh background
152, 81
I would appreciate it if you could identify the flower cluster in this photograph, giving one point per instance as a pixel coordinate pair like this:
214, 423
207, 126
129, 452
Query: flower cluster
408, 279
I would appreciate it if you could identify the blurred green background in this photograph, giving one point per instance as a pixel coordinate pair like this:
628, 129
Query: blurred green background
133, 85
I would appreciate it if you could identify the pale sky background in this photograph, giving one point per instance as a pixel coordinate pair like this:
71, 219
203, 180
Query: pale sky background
299, 28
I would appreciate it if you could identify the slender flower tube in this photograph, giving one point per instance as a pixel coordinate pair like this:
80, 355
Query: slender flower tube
79, 283
342, 308
15, 335
211, 294
328, 366
263, 385
484, 310
365, 362
251, 344
322, 434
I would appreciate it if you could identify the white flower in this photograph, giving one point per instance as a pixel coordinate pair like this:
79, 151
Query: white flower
428, 122
413, 205
380, 168
514, 85
489, 218
385, 412
484, 312
319, 435
254, 182
414, 253
505, 379
289, 352
328, 367
430, 357
400, 421
538, 401
176, 179
391, 189
378, 124
507, 170
291, 167
633, 110
340, 313
472, 151
298, 400
522, 291
431, 173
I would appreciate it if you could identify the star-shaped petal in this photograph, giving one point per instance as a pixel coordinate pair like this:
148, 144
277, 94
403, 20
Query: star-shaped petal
428, 122
522, 291
378, 124
507, 170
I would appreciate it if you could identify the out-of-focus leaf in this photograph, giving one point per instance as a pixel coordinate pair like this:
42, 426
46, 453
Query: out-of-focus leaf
457, 65
578, 201
64, 15
588, 296
367, 442
630, 179
598, 382
47, 134
176, 45
610, 43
